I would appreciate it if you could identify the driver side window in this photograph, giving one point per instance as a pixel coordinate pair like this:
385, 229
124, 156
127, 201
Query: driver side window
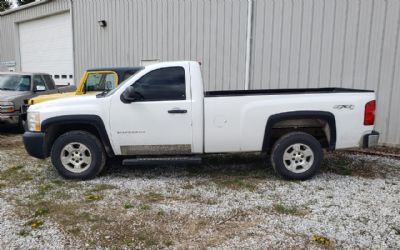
166, 84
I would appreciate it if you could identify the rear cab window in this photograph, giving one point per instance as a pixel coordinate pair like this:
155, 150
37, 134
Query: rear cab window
49, 81
38, 81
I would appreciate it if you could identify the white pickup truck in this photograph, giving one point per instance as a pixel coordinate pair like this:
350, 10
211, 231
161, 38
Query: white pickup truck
163, 114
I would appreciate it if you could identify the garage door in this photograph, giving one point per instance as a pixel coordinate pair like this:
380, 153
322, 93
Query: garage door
46, 46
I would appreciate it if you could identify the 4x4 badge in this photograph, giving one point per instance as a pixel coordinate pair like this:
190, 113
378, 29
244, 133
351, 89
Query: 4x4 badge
350, 106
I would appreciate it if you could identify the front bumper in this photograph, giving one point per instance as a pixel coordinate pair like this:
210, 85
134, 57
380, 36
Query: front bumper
9, 119
371, 139
35, 144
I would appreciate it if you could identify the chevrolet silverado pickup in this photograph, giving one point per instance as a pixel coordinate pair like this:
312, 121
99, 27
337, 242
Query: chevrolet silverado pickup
93, 81
162, 114
17, 88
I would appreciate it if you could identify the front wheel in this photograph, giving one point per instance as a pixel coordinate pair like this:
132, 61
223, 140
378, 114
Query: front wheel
297, 156
78, 155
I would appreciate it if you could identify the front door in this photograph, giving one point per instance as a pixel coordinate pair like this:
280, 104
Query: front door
159, 120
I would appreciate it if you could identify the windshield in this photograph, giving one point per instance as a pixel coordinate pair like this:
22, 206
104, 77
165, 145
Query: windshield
122, 83
15, 83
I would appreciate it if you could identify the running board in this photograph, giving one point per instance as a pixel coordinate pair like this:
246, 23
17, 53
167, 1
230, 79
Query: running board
161, 161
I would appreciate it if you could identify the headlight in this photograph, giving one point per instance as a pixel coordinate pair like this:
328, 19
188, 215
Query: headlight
34, 121
7, 107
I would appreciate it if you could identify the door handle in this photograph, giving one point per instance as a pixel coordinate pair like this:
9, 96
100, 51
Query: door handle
177, 111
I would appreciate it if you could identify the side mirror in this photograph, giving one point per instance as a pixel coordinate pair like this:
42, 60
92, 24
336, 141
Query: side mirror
130, 95
40, 88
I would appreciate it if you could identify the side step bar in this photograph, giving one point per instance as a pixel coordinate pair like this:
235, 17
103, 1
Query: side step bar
161, 161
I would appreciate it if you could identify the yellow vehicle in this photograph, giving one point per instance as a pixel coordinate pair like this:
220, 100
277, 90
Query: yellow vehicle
93, 81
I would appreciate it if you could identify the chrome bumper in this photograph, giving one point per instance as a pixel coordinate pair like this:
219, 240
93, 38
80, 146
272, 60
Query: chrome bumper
371, 139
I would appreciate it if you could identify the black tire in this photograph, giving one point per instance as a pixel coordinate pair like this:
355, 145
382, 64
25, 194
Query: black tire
91, 142
286, 143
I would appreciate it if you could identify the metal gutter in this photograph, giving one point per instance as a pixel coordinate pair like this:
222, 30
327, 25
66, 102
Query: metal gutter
24, 7
248, 43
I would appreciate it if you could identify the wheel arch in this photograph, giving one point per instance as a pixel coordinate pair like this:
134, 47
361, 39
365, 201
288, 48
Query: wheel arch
328, 117
55, 126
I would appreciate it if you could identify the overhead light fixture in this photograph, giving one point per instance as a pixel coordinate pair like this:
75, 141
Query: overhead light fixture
102, 23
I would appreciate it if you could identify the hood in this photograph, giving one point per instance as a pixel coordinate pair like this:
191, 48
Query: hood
64, 102
8, 95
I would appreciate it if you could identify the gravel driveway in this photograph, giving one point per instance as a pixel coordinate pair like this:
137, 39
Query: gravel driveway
227, 202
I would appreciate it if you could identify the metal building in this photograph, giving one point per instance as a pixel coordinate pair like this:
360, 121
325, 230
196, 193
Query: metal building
241, 43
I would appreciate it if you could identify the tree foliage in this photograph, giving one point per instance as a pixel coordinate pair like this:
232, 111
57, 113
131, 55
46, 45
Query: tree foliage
4, 5
23, 2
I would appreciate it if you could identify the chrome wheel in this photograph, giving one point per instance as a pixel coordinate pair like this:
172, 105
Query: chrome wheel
298, 158
76, 157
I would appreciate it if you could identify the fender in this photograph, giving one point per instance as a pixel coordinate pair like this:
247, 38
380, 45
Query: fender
91, 120
322, 115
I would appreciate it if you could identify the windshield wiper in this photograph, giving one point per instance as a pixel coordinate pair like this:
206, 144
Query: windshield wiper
5, 89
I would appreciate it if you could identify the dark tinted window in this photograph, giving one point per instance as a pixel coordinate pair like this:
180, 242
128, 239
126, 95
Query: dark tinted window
162, 85
38, 81
49, 81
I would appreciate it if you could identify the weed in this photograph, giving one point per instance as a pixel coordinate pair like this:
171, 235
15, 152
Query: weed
35, 223
168, 243
93, 197
44, 188
321, 239
128, 206
41, 211
24, 232
145, 207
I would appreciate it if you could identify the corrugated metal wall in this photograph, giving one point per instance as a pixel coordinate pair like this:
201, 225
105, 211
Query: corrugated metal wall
213, 32
341, 43
295, 43
8, 25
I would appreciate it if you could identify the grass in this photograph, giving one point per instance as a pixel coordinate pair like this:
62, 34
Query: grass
93, 197
288, 210
151, 197
128, 206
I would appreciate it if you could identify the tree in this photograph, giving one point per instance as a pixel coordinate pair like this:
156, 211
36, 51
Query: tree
23, 2
4, 5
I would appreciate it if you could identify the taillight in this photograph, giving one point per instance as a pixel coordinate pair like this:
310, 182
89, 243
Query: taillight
369, 114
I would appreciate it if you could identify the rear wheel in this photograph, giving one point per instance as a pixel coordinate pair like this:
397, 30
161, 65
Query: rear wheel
297, 156
78, 155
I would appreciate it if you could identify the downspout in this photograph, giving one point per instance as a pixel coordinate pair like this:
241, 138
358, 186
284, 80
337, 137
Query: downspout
71, 11
248, 43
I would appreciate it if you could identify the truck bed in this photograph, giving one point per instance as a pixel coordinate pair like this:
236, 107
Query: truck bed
282, 91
